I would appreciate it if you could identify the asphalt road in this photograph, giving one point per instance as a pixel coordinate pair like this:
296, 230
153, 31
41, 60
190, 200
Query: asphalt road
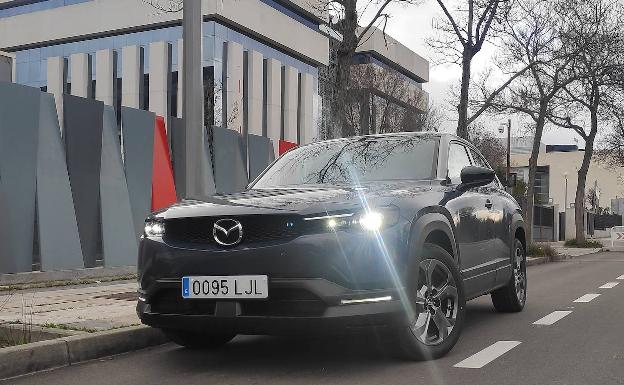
585, 346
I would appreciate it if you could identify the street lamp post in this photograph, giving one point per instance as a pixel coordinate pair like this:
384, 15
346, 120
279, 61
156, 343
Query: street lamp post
565, 174
501, 130
197, 168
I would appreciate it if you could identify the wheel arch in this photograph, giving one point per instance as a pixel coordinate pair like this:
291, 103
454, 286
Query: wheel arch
434, 227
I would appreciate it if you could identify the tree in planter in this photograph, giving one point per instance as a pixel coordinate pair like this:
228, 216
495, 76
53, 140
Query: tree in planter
345, 18
597, 35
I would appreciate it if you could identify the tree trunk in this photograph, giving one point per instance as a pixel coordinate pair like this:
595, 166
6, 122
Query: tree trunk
528, 210
462, 108
579, 200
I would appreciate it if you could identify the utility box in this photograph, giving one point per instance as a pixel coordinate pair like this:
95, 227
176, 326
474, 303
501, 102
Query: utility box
7, 67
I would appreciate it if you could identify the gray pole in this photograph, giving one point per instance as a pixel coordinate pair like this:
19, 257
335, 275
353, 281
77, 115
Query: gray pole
508, 152
198, 168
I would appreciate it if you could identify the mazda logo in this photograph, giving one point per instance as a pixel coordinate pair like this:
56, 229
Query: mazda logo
227, 232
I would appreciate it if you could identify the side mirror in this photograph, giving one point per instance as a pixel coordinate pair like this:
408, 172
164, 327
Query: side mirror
473, 176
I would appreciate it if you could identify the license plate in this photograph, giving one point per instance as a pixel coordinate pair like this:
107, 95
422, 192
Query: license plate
226, 287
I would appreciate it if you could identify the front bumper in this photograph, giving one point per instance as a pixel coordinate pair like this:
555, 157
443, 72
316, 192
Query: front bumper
309, 277
294, 306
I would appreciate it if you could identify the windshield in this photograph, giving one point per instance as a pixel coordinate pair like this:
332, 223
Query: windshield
353, 162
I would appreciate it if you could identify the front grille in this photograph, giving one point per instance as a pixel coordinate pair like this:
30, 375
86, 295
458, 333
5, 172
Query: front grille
282, 302
256, 228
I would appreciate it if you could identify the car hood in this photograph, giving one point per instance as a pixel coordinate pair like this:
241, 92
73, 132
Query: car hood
296, 200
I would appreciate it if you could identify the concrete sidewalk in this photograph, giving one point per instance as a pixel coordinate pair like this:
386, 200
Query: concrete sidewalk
92, 307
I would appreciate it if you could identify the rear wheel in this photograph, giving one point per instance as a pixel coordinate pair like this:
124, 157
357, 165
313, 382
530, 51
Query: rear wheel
194, 340
512, 297
436, 296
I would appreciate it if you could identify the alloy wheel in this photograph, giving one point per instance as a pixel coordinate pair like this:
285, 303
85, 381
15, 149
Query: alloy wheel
437, 303
519, 271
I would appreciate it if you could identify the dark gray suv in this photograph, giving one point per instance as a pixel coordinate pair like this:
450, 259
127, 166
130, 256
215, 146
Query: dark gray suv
390, 232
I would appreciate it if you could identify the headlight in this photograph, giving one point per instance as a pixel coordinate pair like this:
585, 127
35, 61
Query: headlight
371, 220
379, 218
154, 228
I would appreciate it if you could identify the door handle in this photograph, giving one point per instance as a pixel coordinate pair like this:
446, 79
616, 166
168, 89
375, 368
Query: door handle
488, 204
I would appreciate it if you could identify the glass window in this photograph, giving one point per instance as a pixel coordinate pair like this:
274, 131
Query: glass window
457, 160
354, 162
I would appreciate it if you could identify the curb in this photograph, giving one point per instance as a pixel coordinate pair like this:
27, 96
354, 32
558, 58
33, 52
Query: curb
533, 261
66, 351
32, 277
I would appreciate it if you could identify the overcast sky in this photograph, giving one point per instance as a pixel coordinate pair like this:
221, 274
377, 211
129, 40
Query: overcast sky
411, 25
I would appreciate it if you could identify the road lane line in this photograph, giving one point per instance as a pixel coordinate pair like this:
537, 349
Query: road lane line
609, 285
587, 298
487, 355
621, 277
552, 317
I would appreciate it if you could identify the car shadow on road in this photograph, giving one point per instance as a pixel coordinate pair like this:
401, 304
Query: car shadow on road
257, 355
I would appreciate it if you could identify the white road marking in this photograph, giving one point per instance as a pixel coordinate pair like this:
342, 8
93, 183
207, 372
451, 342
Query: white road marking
552, 317
587, 298
621, 277
487, 355
609, 285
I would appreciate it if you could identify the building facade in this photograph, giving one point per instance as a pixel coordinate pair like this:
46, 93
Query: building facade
557, 174
258, 77
261, 58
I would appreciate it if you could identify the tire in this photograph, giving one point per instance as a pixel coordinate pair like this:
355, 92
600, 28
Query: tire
511, 298
193, 340
419, 339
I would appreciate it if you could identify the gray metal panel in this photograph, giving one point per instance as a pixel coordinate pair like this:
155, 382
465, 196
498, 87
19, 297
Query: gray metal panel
59, 243
83, 146
118, 239
138, 139
260, 152
178, 154
19, 123
230, 165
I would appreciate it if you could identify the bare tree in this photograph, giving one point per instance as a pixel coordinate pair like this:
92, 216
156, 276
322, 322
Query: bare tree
165, 5
611, 150
595, 29
347, 19
492, 148
533, 37
464, 29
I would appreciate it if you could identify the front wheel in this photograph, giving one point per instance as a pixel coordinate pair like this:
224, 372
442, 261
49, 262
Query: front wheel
438, 306
193, 340
512, 297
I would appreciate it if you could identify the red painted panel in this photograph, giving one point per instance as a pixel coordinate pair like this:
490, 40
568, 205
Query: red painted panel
163, 187
285, 145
